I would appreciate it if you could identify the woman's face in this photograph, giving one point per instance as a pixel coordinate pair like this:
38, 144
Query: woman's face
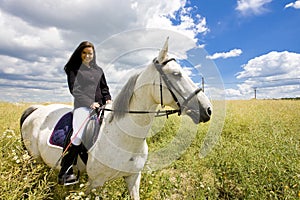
87, 55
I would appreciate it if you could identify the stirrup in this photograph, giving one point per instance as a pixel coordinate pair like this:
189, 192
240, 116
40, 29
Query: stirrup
69, 179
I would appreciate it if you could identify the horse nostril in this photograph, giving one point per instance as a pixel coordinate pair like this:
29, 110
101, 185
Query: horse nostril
209, 111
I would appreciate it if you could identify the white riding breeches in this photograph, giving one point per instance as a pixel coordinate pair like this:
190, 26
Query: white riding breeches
80, 118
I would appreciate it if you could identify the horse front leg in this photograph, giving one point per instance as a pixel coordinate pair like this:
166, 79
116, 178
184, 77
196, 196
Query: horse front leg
133, 185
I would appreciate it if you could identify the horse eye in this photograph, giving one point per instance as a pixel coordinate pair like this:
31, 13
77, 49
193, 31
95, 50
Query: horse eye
177, 74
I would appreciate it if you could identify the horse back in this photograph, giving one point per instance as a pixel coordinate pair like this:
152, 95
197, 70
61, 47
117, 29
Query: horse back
37, 123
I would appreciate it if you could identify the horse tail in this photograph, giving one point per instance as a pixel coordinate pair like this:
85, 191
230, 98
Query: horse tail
26, 113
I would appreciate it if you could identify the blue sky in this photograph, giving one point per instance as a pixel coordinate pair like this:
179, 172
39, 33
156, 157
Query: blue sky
253, 43
271, 27
274, 28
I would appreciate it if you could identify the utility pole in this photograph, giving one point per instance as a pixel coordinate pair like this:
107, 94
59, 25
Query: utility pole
202, 84
255, 88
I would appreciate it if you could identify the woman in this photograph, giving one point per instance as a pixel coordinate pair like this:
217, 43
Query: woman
89, 88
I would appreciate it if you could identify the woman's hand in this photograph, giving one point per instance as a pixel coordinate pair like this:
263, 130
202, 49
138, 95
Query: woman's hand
108, 101
95, 105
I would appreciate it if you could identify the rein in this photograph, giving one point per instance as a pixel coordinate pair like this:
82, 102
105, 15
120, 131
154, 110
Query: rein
158, 113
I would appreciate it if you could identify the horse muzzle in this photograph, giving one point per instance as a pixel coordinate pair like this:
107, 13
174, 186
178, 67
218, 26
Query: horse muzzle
193, 107
199, 115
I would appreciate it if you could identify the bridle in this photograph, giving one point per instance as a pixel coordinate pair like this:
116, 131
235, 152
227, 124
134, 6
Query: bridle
171, 88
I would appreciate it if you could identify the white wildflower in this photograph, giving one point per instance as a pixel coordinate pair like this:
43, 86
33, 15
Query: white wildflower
26, 157
81, 194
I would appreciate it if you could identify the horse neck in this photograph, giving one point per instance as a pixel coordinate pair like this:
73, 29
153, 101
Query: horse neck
142, 99
129, 132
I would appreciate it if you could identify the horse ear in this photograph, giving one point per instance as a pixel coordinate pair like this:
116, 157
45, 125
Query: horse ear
163, 54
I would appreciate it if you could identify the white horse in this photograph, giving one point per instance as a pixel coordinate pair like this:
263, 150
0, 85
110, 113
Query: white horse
121, 149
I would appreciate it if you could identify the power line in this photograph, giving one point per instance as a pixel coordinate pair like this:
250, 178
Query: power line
257, 81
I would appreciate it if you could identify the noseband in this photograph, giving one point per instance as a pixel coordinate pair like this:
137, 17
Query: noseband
171, 87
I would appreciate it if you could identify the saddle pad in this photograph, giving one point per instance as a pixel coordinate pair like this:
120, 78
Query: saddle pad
61, 130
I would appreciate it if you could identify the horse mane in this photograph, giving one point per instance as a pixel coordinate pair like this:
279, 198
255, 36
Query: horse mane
121, 103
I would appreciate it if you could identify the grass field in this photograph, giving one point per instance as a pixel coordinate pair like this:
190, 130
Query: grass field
256, 157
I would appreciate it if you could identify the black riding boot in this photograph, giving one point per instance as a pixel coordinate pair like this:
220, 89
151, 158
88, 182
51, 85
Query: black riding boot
66, 175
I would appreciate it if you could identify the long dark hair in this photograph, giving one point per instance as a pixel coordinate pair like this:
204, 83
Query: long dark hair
75, 60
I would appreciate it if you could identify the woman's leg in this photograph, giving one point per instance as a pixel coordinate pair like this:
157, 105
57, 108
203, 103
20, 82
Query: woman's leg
80, 118
66, 176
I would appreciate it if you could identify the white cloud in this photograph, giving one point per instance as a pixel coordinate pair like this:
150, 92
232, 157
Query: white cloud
37, 38
233, 93
256, 7
295, 5
278, 65
157, 17
231, 53
275, 75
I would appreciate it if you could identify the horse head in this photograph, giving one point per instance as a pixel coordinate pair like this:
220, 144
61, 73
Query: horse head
178, 90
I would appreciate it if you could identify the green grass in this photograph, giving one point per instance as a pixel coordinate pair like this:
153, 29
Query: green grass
256, 157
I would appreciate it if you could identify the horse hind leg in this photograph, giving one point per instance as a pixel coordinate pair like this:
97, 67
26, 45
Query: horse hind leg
133, 185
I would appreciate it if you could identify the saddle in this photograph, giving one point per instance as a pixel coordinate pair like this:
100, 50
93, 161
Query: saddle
60, 137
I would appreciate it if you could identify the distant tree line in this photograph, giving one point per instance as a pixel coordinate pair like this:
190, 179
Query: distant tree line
294, 98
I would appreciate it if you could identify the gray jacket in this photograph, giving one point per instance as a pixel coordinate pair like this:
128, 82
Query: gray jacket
88, 85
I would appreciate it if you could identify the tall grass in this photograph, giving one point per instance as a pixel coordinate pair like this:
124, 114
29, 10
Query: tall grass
257, 157
259, 151
21, 177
